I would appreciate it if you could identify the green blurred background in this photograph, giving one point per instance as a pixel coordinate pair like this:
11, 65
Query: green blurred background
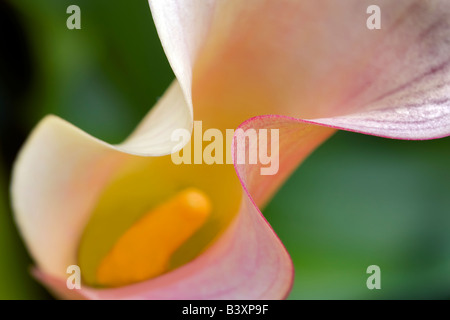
357, 201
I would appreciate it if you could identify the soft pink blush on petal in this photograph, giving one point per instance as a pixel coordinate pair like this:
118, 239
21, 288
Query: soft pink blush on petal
317, 59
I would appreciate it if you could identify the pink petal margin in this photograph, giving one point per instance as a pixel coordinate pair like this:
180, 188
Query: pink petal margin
247, 262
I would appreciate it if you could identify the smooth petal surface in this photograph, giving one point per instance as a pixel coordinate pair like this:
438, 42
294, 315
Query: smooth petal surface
317, 59
182, 27
61, 170
410, 121
153, 136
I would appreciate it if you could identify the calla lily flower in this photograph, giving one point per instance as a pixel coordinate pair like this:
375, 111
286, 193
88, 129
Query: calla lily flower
247, 64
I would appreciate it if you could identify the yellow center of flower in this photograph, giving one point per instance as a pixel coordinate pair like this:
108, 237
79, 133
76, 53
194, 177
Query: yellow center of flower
145, 249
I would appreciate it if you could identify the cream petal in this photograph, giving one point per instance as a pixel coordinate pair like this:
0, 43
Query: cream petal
61, 170
182, 27
153, 135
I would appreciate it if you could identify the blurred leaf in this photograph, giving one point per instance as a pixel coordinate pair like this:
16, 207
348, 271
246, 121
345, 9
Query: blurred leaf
362, 200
